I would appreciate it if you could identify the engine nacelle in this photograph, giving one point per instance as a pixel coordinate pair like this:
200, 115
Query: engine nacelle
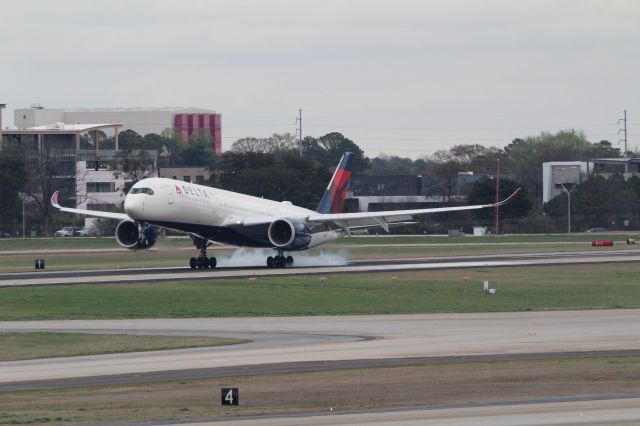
130, 235
289, 234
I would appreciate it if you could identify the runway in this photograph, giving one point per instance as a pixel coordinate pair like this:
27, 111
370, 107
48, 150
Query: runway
140, 275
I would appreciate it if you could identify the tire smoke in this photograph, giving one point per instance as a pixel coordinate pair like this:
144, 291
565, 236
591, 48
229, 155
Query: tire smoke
244, 257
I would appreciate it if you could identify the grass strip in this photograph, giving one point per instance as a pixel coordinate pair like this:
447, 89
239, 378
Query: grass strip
34, 345
594, 286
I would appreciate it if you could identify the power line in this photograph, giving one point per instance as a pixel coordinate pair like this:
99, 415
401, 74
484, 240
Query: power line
455, 129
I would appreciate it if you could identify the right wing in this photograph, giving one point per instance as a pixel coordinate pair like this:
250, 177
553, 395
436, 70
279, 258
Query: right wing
346, 221
94, 213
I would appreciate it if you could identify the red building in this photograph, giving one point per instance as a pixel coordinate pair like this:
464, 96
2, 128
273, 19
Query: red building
186, 124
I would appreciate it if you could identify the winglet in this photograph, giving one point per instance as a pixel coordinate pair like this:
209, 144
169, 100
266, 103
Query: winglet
506, 200
54, 200
333, 198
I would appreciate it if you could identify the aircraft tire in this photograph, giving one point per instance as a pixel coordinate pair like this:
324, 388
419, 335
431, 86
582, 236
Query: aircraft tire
290, 260
193, 263
202, 262
212, 262
270, 262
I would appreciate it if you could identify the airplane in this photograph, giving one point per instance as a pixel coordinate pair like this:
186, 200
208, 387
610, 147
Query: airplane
210, 215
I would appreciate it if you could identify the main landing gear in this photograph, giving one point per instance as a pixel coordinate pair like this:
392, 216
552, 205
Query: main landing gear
202, 261
279, 260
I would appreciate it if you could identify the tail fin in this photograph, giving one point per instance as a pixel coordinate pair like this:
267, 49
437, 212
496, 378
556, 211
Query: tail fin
333, 198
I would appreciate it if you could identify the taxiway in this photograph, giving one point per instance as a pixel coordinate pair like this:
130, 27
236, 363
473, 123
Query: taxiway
338, 338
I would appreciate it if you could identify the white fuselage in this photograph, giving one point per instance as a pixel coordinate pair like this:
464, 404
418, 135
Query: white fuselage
216, 213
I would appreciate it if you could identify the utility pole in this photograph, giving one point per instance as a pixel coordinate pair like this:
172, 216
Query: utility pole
299, 130
24, 234
497, 226
624, 139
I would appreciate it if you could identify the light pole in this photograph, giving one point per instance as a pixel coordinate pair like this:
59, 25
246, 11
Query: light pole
23, 221
564, 189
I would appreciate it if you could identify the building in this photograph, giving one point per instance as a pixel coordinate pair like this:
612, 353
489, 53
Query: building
558, 173
100, 183
185, 121
58, 135
376, 193
197, 175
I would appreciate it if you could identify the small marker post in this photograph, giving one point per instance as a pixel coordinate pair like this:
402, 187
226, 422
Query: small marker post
467, 284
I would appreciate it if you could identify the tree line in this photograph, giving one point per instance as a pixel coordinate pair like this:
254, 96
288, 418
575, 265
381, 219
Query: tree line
280, 167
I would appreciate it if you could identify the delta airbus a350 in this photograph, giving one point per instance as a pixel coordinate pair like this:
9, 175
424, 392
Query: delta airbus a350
214, 215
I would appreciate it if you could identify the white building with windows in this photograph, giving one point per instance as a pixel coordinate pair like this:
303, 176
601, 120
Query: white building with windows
99, 185
558, 173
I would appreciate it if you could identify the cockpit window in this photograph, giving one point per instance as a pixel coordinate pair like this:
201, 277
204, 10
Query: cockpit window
147, 191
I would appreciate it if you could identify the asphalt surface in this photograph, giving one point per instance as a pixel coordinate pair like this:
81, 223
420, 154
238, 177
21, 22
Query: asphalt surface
294, 367
281, 342
355, 266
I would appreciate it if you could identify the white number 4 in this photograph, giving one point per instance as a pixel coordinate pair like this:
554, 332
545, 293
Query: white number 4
229, 396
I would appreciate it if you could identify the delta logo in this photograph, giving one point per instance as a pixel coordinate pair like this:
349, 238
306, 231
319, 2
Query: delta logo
187, 190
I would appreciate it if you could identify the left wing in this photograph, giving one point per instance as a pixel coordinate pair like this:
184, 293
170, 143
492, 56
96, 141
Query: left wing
94, 213
384, 218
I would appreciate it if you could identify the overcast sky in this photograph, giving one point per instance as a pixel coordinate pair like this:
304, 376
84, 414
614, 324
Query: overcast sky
397, 77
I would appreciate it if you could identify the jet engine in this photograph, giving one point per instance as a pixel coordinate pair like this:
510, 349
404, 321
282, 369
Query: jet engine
135, 237
289, 234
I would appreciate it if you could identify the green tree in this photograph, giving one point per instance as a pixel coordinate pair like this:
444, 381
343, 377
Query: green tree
275, 143
13, 175
170, 150
48, 172
388, 165
88, 140
483, 191
130, 139
526, 156
276, 176
199, 152
135, 165
597, 200
442, 169
604, 149
328, 149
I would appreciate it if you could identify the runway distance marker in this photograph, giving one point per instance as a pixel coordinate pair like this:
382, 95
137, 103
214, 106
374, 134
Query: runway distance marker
229, 396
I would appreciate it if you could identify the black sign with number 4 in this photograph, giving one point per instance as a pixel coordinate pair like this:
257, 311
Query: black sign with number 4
229, 396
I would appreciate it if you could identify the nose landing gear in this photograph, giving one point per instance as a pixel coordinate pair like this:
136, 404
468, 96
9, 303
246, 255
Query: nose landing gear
202, 261
279, 260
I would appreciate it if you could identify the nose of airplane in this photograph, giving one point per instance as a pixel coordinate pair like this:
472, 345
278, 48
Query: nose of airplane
134, 206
